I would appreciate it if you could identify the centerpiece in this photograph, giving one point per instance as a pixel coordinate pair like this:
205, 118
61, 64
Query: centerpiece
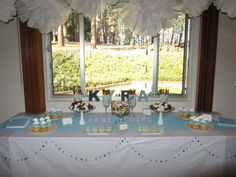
120, 109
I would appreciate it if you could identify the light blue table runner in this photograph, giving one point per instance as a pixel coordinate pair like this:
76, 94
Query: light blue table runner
171, 122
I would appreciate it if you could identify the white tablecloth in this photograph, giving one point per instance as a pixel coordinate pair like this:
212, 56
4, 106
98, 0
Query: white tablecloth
170, 156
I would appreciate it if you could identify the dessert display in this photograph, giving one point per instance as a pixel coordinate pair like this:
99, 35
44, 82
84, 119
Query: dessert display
120, 108
145, 130
165, 107
81, 106
185, 113
42, 124
54, 113
98, 130
202, 122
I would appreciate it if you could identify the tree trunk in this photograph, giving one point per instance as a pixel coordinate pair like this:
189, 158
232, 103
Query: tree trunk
77, 28
60, 36
132, 41
93, 33
98, 30
180, 37
54, 36
172, 36
64, 34
104, 28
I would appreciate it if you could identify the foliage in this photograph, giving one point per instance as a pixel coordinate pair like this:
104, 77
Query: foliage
66, 71
72, 27
171, 66
102, 68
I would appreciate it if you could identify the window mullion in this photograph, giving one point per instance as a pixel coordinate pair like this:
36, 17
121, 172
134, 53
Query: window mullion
82, 54
185, 59
155, 64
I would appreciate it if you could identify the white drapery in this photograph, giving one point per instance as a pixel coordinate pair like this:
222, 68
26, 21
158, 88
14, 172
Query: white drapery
116, 156
145, 17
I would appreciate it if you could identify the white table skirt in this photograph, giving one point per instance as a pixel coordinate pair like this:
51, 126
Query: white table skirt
183, 156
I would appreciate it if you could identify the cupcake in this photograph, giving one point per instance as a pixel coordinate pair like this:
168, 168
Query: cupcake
35, 126
204, 126
43, 126
49, 124
108, 129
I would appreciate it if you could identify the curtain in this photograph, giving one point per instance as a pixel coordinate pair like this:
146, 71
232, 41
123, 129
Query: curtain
145, 17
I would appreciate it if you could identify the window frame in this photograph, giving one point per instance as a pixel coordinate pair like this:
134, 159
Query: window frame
185, 96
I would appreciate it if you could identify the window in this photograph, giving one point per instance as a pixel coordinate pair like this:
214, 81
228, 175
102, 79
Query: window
100, 53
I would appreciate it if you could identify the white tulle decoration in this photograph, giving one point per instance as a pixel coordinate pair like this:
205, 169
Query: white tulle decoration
227, 6
7, 10
88, 7
195, 7
44, 15
146, 17
150, 16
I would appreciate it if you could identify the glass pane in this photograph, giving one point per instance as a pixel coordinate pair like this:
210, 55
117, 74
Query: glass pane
171, 59
65, 56
117, 59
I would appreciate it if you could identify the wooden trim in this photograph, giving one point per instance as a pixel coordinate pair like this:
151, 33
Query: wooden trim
32, 64
207, 60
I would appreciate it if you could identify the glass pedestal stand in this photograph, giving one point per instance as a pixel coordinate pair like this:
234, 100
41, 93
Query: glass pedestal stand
160, 120
160, 123
81, 121
120, 120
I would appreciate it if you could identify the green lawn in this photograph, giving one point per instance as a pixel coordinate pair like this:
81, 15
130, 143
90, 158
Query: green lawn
104, 68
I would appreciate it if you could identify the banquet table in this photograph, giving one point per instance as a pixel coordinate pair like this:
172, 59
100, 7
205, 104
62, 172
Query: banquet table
68, 151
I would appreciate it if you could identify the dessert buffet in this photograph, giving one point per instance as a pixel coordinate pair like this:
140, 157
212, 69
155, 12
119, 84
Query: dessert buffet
157, 141
139, 146
143, 144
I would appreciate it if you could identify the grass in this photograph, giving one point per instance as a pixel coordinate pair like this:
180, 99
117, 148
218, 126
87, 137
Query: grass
111, 67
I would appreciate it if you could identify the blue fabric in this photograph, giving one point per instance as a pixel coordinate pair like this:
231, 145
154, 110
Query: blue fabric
171, 122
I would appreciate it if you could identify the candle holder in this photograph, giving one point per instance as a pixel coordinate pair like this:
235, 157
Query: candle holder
132, 103
106, 101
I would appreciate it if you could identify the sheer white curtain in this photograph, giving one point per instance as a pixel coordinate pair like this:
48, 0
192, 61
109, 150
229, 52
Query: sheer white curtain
141, 16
